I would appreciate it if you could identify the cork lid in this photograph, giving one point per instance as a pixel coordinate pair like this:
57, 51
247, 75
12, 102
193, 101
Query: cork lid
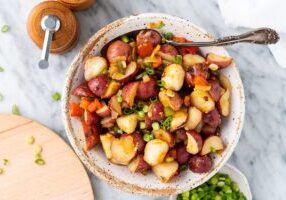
65, 38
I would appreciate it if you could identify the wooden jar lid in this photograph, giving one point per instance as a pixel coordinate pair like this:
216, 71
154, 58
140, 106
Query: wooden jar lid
77, 4
65, 38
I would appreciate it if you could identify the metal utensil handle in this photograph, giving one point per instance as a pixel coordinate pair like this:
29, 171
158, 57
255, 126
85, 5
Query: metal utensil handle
46, 47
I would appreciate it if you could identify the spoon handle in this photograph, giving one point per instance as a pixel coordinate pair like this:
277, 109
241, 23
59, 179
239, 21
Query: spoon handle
257, 36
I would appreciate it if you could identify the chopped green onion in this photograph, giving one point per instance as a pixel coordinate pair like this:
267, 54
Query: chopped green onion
155, 126
178, 59
119, 96
5, 161
141, 114
186, 195
40, 161
161, 83
140, 105
125, 38
168, 111
166, 123
15, 110
1, 171
163, 40
5, 28
183, 167
142, 125
37, 149
161, 25
1, 97
150, 71
127, 111
145, 109
169, 35
56, 96
1, 69
153, 99
213, 150
148, 137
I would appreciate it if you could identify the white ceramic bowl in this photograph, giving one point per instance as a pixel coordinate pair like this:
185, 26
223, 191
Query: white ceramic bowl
119, 176
237, 176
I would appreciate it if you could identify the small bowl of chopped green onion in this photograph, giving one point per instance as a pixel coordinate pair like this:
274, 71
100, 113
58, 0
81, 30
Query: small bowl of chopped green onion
228, 183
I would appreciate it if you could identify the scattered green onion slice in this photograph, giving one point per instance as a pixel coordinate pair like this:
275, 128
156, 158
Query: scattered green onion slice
127, 111
166, 123
30, 139
183, 168
40, 161
148, 137
5, 161
150, 71
2, 69
142, 125
163, 40
169, 35
1, 97
125, 38
161, 25
5, 28
161, 83
153, 99
168, 111
37, 149
1, 171
15, 110
56, 96
213, 150
145, 108
141, 114
178, 59
155, 126
119, 96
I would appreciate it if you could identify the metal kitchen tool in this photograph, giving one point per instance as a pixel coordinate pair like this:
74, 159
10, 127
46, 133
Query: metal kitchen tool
50, 24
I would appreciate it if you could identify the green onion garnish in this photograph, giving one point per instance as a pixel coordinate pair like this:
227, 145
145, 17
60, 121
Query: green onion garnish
141, 114
127, 111
147, 137
150, 71
155, 126
153, 99
125, 38
119, 96
145, 109
40, 161
30, 140
5, 28
178, 59
163, 40
183, 167
161, 83
5, 161
161, 25
142, 125
168, 111
166, 123
1, 69
56, 96
169, 35
1, 171
15, 110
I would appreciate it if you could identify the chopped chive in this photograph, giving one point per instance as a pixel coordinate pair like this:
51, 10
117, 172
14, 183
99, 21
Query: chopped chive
178, 59
145, 109
30, 140
141, 114
125, 38
161, 83
169, 35
15, 110
163, 40
148, 137
1, 97
161, 25
168, 111
127, 111
153, 99
40, 161
142, 125
5, 161
1, 171
2, 69
213, 150
37, 149
150, 71
183, 168
155, 126
5, 28
56, 96
119, 96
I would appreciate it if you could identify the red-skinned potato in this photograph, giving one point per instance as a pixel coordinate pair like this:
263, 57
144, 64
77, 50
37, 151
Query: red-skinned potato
173, 77
194, 142
129, 92
111, 89
104, 111
165, 136
156, 111
98, 85
182, 154
148, 35
138, 141
170, 99
212, 118
179, 119
200, 164
194, 118
147, 89
91, 141
91, 134
215, 90
127, 123
169, 49
192, 59
155, 151
94, 66
224, 104
180, 135
212, 144
106, 141
118, 48
130, 72
83, 91
115, 105
166, 170
138, 164
123, 150
208, 130
148, 122
220, 60
90, 118
202, 100
107, 122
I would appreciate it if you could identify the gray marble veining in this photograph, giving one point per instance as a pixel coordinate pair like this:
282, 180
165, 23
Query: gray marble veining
261, 152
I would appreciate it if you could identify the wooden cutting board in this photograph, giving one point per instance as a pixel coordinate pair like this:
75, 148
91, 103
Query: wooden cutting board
62, 177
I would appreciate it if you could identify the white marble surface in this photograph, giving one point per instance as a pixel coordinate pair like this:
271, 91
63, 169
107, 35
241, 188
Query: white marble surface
261, 152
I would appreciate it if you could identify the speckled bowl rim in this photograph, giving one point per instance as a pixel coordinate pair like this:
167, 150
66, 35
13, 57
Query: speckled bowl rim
122, 185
